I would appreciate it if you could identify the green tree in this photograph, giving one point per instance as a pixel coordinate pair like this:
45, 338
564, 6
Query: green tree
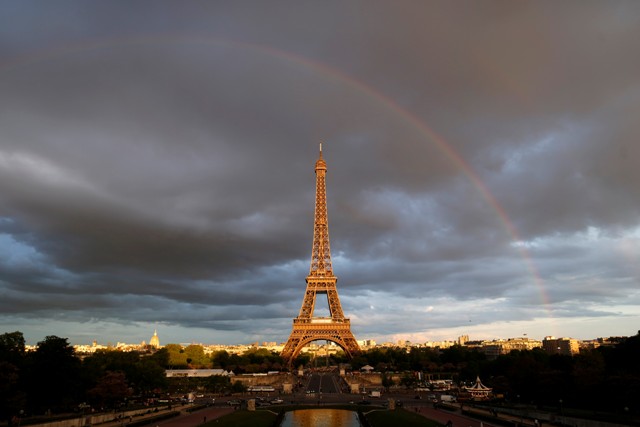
161, 358
220, 359
177, 356
195, 356
145, 374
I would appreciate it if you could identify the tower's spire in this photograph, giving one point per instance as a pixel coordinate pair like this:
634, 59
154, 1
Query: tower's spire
321, 254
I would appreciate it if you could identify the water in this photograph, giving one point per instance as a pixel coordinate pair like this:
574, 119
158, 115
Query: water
320, 418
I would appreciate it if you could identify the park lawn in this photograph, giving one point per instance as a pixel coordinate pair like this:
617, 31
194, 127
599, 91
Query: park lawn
399, 417
244, 419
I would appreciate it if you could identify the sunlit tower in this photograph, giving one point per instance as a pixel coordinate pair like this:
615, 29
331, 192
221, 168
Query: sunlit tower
320, 281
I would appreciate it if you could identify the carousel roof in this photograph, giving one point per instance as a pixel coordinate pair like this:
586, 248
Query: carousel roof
478, 386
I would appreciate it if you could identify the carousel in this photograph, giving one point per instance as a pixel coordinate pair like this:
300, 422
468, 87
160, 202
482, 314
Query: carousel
478, 391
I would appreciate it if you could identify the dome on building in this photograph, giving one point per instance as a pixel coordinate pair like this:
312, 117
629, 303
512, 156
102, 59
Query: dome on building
154, 341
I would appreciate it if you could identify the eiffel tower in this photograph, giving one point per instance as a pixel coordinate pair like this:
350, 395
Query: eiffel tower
306, 328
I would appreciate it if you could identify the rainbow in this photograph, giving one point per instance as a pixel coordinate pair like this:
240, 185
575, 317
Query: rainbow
328, 72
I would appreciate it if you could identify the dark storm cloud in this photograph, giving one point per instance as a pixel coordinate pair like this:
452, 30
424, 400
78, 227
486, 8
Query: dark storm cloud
156, 163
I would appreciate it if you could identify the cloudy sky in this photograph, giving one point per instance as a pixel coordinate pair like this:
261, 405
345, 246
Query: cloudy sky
157, 167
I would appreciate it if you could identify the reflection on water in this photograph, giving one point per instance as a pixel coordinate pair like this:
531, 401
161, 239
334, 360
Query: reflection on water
320, 418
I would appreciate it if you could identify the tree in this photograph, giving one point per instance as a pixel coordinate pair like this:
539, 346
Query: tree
53, 382
148, 376
302, 359
12, 360
96, 365
177, 356
144, 373
218, 384
12, 348
161, 358
12, 398
408, 380
195, 356
220, 359
387, 381
110, 390
238, 387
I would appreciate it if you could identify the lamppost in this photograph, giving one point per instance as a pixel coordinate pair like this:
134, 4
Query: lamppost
560, 401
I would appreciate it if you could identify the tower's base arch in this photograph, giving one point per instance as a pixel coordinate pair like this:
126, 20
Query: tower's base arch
307, 330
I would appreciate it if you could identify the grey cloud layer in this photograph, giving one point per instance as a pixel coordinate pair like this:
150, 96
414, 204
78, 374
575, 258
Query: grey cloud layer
158, 166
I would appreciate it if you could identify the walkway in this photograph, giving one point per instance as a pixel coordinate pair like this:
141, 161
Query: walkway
444, 416
185, 419
196, 418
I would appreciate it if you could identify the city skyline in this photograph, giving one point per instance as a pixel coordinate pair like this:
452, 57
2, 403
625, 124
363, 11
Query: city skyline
156, 168
365, 343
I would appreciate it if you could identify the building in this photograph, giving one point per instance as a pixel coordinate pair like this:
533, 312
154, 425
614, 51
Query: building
155, 341
439, 344
367, 344
564, 346
495, 348
197, 373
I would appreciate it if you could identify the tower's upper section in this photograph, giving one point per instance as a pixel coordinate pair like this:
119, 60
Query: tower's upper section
320, 163
321, 254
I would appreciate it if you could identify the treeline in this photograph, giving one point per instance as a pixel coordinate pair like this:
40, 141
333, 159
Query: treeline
606, 378
53, 378
251, 361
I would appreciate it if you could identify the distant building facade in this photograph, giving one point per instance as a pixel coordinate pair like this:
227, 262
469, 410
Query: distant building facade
197, 373
495, 348
564, 346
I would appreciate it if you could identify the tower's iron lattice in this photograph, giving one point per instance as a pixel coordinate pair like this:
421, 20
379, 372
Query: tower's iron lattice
307, 328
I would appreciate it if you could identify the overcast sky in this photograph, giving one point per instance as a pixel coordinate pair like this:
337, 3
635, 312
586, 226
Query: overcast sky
157, 167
